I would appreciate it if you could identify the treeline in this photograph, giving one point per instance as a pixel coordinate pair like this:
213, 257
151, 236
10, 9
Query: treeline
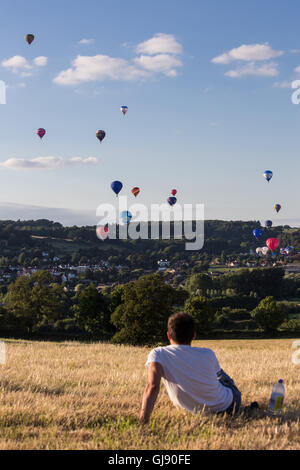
220, 236
137, 312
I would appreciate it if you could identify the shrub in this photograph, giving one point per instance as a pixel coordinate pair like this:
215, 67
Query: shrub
269, 314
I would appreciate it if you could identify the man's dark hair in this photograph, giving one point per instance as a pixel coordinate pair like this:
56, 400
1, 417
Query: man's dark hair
181, 328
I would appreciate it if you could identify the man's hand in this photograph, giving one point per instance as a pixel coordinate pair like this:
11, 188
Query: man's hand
155, 373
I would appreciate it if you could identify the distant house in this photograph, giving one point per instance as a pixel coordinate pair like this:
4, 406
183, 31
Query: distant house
80, 269
234, 264
163, 265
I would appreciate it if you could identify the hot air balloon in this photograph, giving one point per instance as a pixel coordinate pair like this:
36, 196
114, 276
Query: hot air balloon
277, 207
257, 233
29, 38
172, 200
116, 186
273, 244
268, 223
124, 109
102, 232
135, 191
174, 192
125, 217
41, 132
268, 175
264, 250
258, 250
288, 249
100, 135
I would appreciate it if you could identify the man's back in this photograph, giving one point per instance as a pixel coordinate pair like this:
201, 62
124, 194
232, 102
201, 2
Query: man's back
190, 377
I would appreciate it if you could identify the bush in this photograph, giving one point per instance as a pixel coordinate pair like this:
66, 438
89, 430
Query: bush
269, 314
293, 325
237, 314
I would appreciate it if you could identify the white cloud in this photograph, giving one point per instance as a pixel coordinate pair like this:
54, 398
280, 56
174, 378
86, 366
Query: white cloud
284, 84
98, 68
81, 161
269, 69
40, 61
161, 63
16, 63
156, 58
20, 65
86, 42
250, 52
46, 163
160, 44
26, 74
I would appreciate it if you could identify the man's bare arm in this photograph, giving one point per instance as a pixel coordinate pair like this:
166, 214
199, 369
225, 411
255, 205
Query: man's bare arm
155, 373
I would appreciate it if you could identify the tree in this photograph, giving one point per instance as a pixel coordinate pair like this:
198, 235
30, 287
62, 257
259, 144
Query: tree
19, 305
199, 281
269, 314
36, 262
203, 312
142, 316
32, 300
92, 312
21, 258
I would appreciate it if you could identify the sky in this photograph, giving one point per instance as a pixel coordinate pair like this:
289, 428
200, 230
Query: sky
208, 90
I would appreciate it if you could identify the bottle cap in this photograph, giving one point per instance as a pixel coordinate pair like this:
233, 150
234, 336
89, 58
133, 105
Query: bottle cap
280, 381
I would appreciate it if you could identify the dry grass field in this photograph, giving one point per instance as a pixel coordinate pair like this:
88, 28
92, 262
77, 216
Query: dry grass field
88, 396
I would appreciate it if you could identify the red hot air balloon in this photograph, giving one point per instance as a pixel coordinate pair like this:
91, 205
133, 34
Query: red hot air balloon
102, 232
273, 244
41, 132
135, 191
174, 192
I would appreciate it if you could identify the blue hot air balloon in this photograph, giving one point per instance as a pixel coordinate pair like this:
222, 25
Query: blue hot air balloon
268, 175
125, 217
172, 200
257, 233
124, 109
268, 223
116, 186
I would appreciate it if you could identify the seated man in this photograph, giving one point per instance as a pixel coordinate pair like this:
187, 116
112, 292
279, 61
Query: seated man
192, 376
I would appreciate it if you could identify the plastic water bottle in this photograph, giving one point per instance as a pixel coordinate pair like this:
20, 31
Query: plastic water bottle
276, 400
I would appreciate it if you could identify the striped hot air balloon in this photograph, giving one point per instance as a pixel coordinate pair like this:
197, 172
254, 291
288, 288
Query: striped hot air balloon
135, 191
124, 109
172, 200
277, 207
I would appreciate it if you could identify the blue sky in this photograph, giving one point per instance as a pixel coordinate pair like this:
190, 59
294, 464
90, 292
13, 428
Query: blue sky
207, 84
